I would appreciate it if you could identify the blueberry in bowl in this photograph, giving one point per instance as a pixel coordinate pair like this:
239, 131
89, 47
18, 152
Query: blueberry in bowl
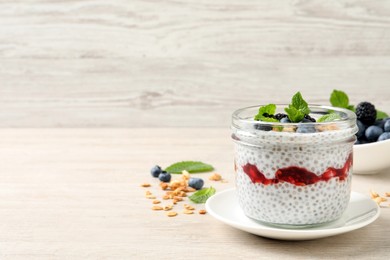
372, 147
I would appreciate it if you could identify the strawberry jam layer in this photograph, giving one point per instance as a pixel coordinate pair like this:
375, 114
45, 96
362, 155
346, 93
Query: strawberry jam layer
297, 175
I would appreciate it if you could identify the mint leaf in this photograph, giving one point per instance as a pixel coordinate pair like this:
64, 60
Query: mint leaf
351, 107
202, 195
269, 109
189, 166
329, 117
339, 98
267, 119
294, 114
298, 108
299, 103
381, 114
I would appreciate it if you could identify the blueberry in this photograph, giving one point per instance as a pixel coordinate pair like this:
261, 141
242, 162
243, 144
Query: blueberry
311, 119
386, 126
380, 123
306, 129
164, 177
285, 120
384, 136
361, 127
305, 120
196, 183
373, 132
155, 171
362, 140
263, 127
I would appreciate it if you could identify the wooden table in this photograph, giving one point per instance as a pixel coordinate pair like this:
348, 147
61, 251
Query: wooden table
75, 194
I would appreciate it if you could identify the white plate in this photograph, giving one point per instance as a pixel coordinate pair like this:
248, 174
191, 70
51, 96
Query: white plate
360, 212
371, 158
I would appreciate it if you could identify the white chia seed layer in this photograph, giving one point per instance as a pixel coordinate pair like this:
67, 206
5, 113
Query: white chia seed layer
283, 202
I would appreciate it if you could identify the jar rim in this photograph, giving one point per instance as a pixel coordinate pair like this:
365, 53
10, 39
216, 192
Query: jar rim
348, 117
247, 130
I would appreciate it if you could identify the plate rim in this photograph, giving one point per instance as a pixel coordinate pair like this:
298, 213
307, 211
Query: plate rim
284, 233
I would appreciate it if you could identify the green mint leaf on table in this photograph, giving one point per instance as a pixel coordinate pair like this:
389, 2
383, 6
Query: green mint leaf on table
339, 98
269, 109
329, 117
190, 166
202, 195
381, 114
300, 104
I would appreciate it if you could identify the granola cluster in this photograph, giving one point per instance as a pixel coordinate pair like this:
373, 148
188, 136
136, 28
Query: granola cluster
176, 191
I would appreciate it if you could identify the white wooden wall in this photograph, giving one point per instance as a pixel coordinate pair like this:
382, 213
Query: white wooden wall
140, 63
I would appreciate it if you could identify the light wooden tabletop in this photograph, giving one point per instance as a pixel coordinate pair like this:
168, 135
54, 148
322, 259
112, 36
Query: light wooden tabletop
75, 194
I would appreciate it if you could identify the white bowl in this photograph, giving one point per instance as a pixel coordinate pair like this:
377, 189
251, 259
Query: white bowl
371, 158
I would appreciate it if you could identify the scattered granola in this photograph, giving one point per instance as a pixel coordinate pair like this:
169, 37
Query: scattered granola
185, 175
190, 189
188, 207
175, 191
379, 199
164, 185
172, 214
215, 177
188, 212
168, 207
373, 194
202, 211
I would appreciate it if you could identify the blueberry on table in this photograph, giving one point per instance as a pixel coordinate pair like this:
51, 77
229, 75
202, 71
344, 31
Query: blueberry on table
164, 177
386, 126
384, 136
196, 183
155, 171
373, 132
361, 127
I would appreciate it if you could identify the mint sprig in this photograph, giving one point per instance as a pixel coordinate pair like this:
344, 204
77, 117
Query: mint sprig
190, 166
202, 195
329, 117
381, 115
268, 109
339, 98
298, 108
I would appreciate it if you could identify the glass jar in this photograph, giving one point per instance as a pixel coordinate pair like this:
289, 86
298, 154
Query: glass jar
291, 177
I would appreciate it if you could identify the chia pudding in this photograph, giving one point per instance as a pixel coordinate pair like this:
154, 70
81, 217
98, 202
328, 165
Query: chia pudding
293, 178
